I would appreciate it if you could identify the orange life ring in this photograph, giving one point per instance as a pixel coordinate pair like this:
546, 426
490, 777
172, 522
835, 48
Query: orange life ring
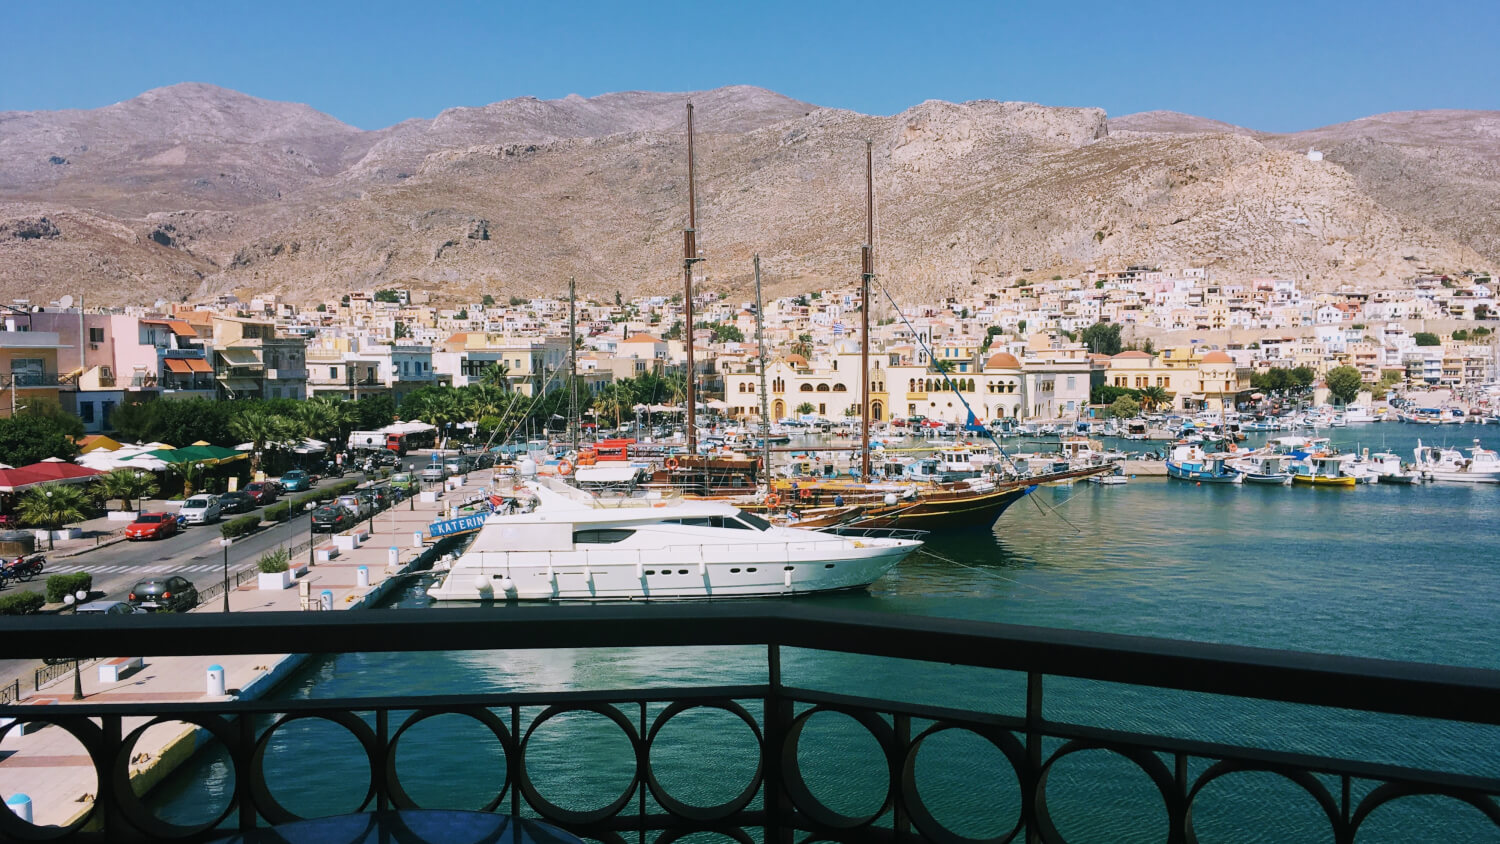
805, 493
564, 468
773, 500
673, 463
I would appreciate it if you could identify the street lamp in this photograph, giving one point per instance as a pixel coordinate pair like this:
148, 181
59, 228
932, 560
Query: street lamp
311, 506
225, 543
77, 598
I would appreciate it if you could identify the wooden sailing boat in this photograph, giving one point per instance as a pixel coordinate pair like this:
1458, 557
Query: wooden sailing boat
868, 502
693, 473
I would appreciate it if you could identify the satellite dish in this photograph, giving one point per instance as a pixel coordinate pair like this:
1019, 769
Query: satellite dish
66, 301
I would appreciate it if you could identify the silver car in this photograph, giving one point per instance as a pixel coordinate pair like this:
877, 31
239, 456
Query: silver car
201, 509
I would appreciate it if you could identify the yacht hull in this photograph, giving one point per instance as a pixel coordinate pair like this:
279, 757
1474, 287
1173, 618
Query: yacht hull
656, 575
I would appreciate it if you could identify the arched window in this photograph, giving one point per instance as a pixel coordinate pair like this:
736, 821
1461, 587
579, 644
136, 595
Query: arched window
807, 388
875, 410
912, 385
840, 388
822, 388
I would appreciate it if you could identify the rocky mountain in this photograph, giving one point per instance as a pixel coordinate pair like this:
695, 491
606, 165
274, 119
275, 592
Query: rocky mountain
517, 196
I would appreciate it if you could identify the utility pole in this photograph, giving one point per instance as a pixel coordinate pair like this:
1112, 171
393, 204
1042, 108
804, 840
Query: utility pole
765, 418
689, 258
866, 272
573, 360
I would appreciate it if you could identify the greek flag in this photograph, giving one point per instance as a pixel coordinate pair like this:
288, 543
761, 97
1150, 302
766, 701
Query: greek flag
838, 329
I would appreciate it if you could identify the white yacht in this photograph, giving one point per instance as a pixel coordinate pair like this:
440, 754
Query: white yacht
1449, 464
573, 546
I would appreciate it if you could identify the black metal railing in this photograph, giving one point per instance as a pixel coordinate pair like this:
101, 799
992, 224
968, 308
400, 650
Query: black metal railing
778, 804
47, 673
216, 589
12, 693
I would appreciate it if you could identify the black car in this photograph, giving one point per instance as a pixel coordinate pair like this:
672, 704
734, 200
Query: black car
164, 593
237, 502
332, 518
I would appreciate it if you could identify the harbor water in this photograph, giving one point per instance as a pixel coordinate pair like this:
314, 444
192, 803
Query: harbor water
1408, 573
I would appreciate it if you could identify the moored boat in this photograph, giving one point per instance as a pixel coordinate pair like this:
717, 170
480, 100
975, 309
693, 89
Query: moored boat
1191, 463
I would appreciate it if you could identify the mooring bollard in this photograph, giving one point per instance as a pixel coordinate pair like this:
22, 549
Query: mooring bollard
327, 598
362, 576
416, 539
216, 685
393, 556
20, 804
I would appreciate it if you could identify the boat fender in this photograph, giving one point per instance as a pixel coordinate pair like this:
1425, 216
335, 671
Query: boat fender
890, 498
507, 585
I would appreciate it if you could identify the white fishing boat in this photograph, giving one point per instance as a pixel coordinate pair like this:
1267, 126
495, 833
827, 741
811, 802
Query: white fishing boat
573, 546
1482, 466
1388, 469
1271, 469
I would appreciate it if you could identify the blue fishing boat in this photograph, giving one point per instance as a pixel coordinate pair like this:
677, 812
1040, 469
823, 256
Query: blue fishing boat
1191, 463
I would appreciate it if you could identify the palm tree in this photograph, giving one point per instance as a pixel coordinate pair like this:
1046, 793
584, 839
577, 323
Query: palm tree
126, 485
316, 420
615, 400
674, 387
495, 375
190, 471
1154, 397
51, 507
345, 415
803, 346
442, 409
260, 429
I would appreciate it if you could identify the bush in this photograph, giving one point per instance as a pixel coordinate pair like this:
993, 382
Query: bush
274, 562
21, 603
276, 512
62, 585
239, 527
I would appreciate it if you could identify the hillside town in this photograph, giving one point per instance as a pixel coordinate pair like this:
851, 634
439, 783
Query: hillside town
1029, 350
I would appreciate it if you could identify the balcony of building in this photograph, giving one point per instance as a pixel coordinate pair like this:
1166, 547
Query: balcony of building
835, 725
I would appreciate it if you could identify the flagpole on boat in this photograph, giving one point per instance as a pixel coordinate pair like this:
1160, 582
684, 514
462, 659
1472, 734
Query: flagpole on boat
765, 418
690, 257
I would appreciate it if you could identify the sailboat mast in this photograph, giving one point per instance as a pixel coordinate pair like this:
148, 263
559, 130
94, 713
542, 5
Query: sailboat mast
760, 341
866, 271
573, 359
690, 257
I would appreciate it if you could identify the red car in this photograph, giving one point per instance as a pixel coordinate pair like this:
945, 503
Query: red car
264, 492
151, 526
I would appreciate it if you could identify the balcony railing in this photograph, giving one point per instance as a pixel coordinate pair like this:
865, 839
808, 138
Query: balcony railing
22, 380
778, 804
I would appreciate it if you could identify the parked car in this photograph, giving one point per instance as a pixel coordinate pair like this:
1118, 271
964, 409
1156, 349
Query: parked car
296, 480
332, 518
456, 465
236, 502
107, 608
151, 526
164, 593
356, 504
264, 492
433, 473
201, 509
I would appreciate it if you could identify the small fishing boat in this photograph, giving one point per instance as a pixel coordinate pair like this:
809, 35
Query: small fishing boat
1322, 470
1191, 463
1389, 469
1267, 469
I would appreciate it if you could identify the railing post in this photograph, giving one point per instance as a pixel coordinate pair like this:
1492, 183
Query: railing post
1033, 776
778, 720
382, 738
243, 755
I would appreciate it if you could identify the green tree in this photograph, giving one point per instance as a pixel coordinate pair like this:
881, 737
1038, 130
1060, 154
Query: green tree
1481, 311
1124, 407
1021, 327
373, 412
496, 375
803, 346
261, 429
487, 300
127, 485
31, 439
724, 332
387, 296
322, 308
1102, 338
1154, 397
1344, 382
1304, 376
805, 408
52, 506
1427, 338
401, 332
463, 313
1460, 335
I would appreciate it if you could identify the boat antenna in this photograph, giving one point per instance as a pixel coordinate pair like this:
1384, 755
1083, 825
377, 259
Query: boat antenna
765, 418
573, 360
866, 272
689, 258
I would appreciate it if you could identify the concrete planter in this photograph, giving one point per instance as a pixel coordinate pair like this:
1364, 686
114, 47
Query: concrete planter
346, 541
122, 515
274, 580
58, 535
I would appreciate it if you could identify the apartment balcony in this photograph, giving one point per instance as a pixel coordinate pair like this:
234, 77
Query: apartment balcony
23, 380
918, 695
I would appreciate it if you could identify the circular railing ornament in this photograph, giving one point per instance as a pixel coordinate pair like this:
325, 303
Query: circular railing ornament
705, 814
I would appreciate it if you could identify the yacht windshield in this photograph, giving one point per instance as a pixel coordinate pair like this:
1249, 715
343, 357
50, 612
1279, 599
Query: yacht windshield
754, 521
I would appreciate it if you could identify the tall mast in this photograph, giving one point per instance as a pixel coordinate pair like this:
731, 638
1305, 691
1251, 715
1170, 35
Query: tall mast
573, 360
690, 257
866, 272
760, 340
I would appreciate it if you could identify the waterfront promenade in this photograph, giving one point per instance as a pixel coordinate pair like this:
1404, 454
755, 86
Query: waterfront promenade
53, 769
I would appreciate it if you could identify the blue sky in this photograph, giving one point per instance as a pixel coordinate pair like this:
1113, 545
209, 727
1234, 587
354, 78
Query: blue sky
1271, 65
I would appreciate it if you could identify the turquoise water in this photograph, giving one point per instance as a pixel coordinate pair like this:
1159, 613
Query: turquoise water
1405, 573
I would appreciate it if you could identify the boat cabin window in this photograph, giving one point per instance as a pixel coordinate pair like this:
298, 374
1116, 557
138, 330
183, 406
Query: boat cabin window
706, 521
602, 536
